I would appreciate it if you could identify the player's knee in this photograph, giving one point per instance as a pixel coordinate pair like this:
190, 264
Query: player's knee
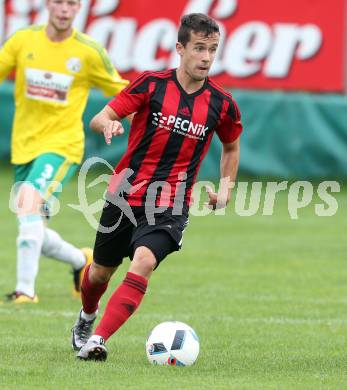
99, 274
29, 201
143, 262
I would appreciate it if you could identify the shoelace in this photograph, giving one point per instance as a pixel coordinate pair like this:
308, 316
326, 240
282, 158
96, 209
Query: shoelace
84, 329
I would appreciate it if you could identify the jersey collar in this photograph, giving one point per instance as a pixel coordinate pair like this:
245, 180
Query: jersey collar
196, 93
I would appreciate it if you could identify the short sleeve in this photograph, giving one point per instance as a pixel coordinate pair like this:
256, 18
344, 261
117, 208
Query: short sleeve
132, 98
103, 75
8, 55
230, 127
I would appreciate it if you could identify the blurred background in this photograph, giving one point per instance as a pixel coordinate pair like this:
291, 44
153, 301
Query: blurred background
285, 63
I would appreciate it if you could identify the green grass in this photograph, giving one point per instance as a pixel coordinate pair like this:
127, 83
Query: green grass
266, 295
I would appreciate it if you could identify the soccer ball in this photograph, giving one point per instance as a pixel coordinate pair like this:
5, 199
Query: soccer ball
172, 343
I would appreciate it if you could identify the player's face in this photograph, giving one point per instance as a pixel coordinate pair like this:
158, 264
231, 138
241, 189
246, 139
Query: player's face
198, 55
62, 13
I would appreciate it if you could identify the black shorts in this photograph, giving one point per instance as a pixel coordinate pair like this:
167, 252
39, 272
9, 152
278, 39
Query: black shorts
118, 236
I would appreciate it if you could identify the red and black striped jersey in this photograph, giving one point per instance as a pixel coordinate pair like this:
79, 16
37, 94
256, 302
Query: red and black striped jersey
170, 133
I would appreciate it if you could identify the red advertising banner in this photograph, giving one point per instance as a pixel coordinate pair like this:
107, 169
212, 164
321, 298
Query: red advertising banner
265, 44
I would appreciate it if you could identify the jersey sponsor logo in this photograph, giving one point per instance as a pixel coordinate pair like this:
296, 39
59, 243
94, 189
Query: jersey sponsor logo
47, 86
74, 65
179, 125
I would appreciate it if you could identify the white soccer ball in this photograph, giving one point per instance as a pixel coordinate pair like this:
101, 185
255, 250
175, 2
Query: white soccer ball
172, 343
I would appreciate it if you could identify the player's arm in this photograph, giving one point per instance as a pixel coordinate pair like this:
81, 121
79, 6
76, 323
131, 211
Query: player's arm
124, 105
229, 165
108, 123
8, 56
228, 131
108, 79
102, 73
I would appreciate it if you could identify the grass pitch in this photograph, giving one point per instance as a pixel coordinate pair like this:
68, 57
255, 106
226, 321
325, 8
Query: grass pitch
266, 295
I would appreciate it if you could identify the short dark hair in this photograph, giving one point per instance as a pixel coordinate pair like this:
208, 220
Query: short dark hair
198, 23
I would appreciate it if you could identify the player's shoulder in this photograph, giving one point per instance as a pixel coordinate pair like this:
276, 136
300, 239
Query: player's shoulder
219, 91
34, 28
88, 42
27, 32
156, 75
93, 50
143, 81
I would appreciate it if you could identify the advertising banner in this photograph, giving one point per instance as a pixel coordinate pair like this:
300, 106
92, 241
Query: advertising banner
265, 44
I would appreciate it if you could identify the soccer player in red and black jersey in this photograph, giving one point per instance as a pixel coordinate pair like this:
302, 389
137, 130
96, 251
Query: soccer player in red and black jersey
177, 113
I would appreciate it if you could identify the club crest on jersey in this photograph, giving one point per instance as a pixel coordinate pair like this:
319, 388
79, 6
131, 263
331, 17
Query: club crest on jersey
74, 64
179, 125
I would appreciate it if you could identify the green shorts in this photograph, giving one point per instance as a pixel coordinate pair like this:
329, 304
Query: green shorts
48, 173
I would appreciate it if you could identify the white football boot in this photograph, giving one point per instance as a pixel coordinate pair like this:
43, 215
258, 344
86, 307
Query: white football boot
94, 350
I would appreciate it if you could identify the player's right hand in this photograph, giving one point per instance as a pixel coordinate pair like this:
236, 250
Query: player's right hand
112, 129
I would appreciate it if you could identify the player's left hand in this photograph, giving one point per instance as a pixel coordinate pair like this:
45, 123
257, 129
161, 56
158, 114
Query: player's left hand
216, 201
112, 129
